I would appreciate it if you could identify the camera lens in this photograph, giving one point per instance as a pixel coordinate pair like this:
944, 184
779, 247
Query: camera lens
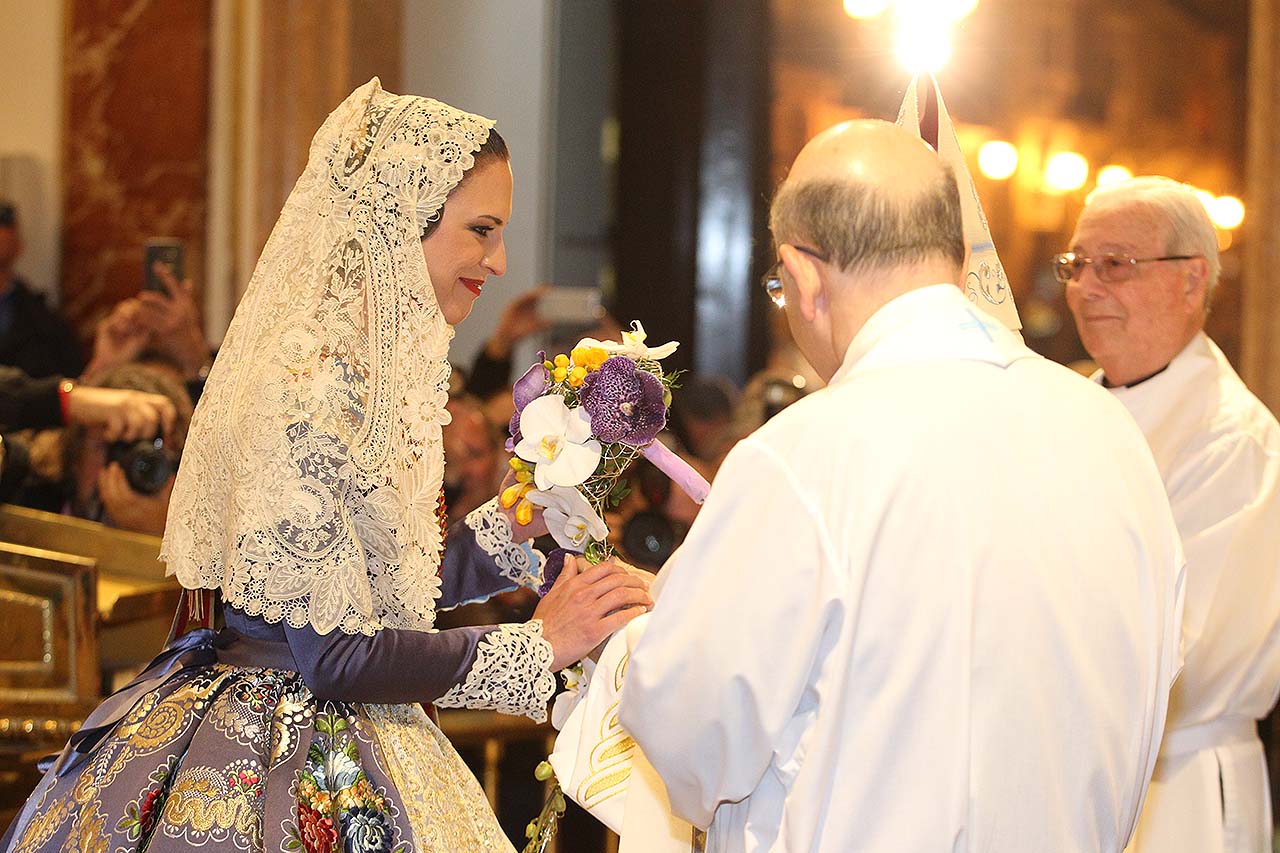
649, 538
147, 465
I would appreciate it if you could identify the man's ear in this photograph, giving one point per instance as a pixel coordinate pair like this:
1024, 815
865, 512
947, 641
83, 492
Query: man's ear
810, 291
1196, 286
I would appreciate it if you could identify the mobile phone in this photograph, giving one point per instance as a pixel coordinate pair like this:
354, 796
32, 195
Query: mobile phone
578, 306
168, 251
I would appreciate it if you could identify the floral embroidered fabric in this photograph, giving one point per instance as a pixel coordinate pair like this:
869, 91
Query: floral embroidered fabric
519, 562
229, 758
309, 487
511, 674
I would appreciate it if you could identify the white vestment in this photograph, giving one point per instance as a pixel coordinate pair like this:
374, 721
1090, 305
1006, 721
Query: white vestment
1218, 450
931, 607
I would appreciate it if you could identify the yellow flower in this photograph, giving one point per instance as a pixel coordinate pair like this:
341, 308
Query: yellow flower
589, 357
512, 494
524, 512
559, 373
577, 375
562, 360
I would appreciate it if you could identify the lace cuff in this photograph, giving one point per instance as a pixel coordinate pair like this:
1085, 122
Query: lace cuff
518, 562
511, 674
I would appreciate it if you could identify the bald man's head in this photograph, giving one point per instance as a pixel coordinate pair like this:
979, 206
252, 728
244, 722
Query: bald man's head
868, 194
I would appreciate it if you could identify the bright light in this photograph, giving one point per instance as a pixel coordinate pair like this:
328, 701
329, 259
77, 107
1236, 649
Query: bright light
1206, 198
930, 10
1227, 212
1109, 176
864, 8
923, 45
1066, 171
997, 159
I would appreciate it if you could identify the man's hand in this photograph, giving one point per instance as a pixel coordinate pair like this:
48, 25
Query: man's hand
121, 415
130, 510
587, 604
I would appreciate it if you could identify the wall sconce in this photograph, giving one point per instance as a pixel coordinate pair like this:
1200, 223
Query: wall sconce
1227, 212
1066, 171
997, 159
1109, 176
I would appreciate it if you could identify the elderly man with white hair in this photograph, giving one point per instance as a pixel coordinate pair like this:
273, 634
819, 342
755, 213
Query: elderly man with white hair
1139, 276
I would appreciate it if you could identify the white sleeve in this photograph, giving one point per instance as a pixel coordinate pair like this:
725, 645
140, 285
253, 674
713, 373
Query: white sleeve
735, 640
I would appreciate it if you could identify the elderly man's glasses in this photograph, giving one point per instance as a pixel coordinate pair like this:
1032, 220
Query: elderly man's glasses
1110, 268
772, 281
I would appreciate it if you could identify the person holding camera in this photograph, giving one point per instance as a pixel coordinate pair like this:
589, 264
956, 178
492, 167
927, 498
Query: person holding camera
126, 483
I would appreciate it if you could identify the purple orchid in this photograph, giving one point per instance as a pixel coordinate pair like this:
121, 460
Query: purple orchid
551, 569
625, 402
531, 386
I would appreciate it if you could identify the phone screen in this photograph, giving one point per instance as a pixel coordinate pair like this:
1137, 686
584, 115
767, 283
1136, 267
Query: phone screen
167, 251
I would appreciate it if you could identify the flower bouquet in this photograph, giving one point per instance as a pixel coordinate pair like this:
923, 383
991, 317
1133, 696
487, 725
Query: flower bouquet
581, 419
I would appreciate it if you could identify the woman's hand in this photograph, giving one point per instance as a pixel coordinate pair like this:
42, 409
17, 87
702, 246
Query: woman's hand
521, 532
587, 604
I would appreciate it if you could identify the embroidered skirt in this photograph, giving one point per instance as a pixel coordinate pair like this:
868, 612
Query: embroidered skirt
239, 758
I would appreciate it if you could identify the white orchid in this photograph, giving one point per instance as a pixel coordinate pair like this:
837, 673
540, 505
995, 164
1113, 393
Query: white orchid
632, 345
557, 440
569, 517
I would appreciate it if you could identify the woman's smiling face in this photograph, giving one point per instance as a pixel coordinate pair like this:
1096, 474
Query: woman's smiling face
466, 247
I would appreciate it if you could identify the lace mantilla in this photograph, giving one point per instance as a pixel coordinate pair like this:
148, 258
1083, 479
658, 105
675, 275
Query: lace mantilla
309, 484
511, 674
518, 562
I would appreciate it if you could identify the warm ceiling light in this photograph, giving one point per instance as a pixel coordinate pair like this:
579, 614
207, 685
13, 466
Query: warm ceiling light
932, 10
923, 45
1066, 171
1109, 176
1227, 212
1206, 198
997, 159
864, 8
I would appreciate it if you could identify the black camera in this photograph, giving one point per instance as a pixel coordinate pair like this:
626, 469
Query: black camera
649, 538
147, 464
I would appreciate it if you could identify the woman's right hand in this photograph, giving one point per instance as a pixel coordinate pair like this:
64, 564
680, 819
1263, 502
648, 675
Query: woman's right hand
584, 606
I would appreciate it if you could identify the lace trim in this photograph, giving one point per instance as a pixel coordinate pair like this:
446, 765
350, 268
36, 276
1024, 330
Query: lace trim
518, 562
511, 674
446, 807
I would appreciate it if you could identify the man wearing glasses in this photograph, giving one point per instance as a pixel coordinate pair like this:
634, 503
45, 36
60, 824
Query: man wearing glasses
886, 630
1139, 277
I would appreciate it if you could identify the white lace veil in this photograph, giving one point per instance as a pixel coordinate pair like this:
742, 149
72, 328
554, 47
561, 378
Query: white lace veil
311, 480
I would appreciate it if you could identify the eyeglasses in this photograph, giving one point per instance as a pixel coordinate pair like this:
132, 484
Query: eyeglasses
772, 281
1110, 267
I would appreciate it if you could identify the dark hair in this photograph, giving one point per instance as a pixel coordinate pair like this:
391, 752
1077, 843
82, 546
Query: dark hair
858, 227
494, 148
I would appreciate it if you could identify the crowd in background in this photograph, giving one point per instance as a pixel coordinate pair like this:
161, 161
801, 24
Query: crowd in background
153, 345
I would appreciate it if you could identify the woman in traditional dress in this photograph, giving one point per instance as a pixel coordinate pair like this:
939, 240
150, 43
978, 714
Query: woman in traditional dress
309, 499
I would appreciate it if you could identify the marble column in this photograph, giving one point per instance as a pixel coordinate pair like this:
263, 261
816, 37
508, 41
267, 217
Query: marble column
280, 67
134, 143
1261, 314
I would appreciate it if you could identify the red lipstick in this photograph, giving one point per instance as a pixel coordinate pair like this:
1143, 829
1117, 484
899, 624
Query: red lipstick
473, 284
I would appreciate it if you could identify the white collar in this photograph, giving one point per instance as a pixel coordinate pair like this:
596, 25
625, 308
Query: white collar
936, 322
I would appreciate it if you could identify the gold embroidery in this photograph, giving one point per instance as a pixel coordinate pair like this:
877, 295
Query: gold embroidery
202, 800
44, 823
92, 835
610, 763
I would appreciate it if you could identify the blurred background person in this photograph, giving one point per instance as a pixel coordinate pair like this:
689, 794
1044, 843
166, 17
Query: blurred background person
33, 337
